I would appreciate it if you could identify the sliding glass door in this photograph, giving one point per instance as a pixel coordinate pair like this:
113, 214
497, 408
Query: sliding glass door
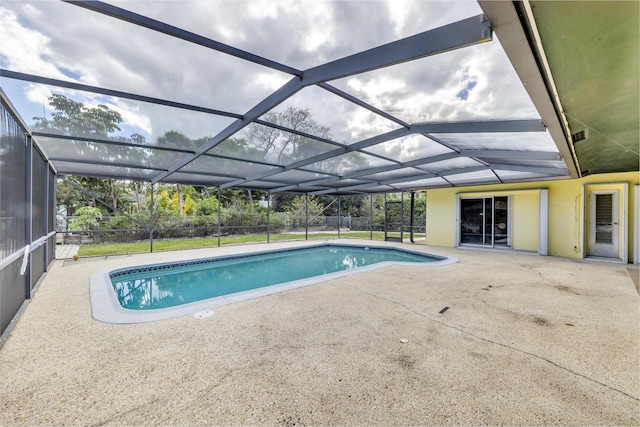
501, 222
472, 221
485, 221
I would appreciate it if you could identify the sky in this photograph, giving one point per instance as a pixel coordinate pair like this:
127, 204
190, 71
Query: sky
63, 41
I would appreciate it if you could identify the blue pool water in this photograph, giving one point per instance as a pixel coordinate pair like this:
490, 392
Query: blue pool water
169, 285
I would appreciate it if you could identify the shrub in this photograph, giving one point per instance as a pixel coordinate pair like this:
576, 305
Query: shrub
88, 218
207, 207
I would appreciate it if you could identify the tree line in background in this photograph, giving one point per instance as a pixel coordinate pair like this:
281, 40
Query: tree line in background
180, 205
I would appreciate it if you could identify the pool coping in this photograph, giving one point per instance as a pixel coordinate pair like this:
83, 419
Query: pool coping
106, 308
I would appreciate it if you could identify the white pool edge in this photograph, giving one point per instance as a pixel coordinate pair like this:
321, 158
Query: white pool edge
106, 308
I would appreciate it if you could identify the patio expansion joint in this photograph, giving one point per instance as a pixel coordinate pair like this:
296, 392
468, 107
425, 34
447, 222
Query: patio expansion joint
490, 341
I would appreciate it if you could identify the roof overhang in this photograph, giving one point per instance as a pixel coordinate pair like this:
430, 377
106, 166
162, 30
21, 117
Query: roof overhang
579, 62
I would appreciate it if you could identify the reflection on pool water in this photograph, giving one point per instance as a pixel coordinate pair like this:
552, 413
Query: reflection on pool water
168, 285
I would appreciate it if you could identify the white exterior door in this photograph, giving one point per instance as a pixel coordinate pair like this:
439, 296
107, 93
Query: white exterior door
604, 223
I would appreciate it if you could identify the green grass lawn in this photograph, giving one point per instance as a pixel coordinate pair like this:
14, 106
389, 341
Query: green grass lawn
178, 244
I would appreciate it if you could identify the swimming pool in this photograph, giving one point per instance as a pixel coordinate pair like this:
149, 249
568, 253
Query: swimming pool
158, 291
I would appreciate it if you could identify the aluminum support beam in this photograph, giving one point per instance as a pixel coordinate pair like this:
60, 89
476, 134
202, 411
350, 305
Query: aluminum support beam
299, 133
459, 34
372, 171
99, 163
424, 175
235, 159
105, 176
152, 24
481, 127
268, 215
219, 210
109, 142
209, 174
110, 92
552, 172
512, 154
29, 219
359, 102
151, 219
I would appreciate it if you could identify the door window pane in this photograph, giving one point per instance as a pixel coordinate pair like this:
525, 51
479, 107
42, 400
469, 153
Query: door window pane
501, 221
604, 218
488, 221
471, 224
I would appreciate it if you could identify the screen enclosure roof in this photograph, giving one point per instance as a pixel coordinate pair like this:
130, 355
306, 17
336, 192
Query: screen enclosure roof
329, 97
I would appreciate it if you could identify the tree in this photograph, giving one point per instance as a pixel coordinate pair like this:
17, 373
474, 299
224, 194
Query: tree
281, 202
229, 195
88, 219
175, 139
140, 191
282, 147
258, 143
349, 205
230, 148
111, 191
74, 118
299, 210
207, 207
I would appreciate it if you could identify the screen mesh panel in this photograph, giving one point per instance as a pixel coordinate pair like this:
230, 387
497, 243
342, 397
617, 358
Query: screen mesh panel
37, 265
39, 202
13, 191
12, 293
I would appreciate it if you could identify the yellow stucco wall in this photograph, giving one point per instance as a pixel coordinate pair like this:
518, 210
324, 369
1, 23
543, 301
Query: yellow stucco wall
567, 225
440, 217
565, 218
525, 212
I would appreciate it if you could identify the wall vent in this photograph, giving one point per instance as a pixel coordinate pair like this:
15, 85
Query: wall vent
580, 136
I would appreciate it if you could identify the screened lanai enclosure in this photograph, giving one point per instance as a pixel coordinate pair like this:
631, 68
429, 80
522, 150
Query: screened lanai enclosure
339, 98
27, 226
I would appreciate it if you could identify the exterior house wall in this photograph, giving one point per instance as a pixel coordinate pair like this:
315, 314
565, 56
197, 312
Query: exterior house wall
440, 217
567, 212
525, 213
565, 218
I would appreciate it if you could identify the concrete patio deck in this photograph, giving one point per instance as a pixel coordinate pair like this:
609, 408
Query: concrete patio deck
66, 251
526, 340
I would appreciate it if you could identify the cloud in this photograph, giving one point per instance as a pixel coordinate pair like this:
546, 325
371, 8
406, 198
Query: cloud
473, 83
24, 47
409, 147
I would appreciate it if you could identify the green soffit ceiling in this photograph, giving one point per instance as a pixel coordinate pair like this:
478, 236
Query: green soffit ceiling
592, 49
